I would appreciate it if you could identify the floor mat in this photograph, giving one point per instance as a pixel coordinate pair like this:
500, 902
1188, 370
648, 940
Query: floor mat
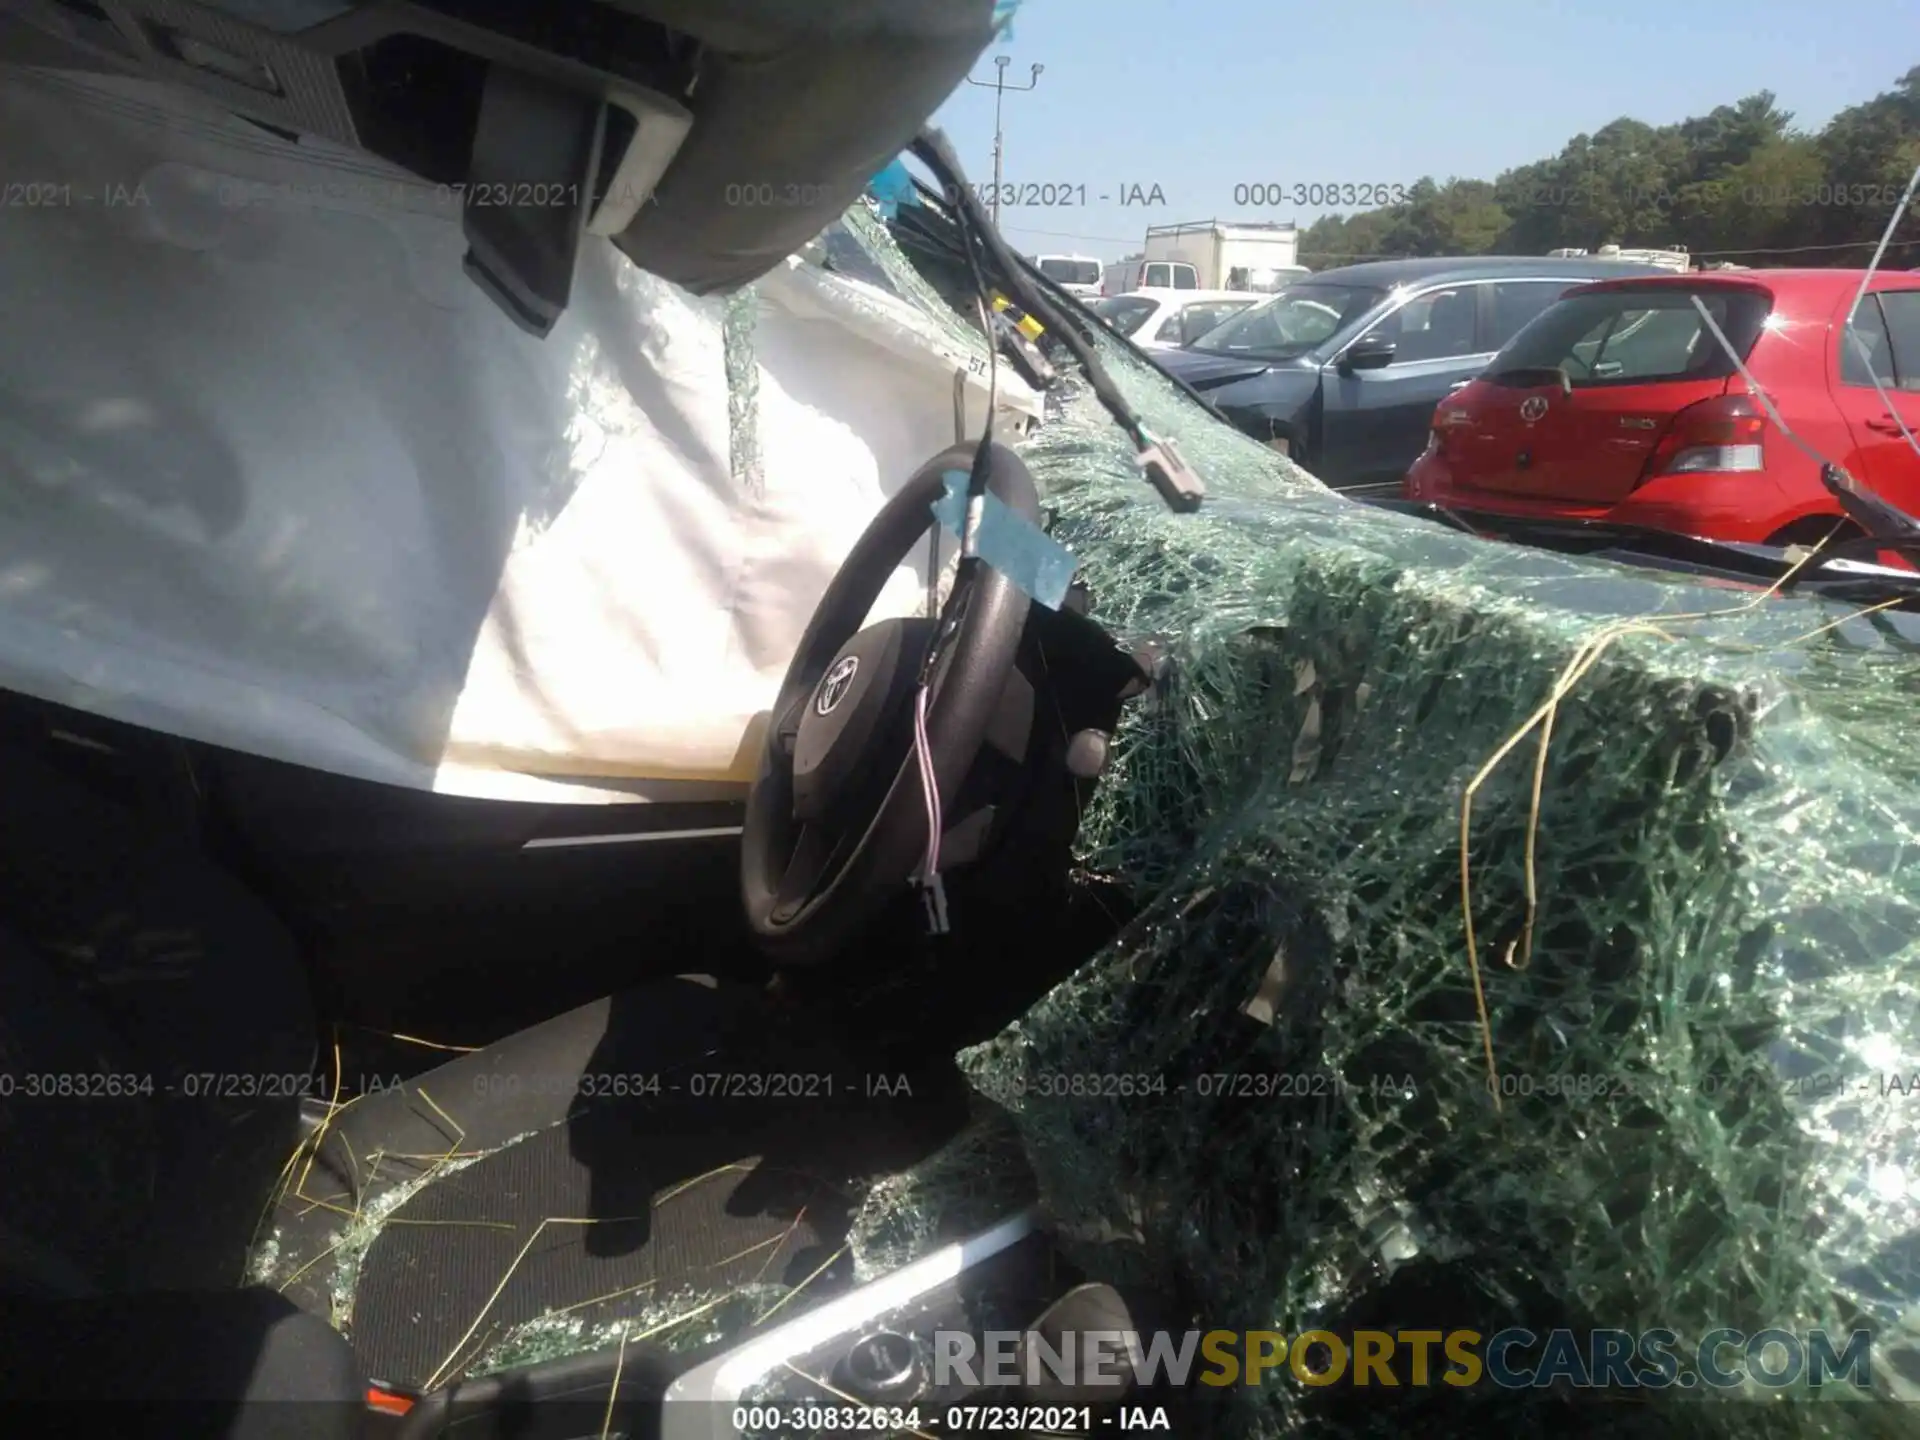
667, 1210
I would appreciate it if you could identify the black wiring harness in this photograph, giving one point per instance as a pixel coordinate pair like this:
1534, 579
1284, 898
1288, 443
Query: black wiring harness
987, 254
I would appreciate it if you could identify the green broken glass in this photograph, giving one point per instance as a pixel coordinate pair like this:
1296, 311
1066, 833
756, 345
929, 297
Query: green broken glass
1701, 1035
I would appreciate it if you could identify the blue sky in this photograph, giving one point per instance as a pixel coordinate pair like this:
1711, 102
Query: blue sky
1198, 96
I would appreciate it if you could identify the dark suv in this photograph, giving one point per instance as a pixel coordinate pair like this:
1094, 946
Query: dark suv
1342, 371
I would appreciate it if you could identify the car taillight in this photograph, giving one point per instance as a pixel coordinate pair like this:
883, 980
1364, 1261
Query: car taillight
1717, 435
1447, 418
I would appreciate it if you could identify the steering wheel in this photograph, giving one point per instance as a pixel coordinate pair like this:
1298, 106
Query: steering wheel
837, 818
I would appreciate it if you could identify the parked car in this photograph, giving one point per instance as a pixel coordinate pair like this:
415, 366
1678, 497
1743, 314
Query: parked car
1342, 371
1080, 275
1168, 319
1618, 403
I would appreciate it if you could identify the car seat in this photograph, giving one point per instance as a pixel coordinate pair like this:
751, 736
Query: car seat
1450, 325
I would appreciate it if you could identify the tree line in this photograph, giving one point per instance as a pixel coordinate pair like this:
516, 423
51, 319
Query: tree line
1740, 184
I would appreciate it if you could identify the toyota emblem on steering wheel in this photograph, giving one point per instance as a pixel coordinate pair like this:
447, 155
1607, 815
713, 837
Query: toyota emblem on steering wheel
835, 684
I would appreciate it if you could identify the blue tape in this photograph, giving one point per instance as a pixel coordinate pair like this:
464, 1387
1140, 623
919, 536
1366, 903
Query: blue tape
893, 187
1010, 543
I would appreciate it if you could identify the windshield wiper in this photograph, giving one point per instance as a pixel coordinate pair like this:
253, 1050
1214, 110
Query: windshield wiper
1760, 565
1888, 527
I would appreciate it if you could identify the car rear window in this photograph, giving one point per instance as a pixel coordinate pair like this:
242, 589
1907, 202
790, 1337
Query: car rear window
1203, 316
1634, 337
1126, 313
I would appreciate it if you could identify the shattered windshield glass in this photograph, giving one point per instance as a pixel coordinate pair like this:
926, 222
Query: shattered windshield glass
1526, 941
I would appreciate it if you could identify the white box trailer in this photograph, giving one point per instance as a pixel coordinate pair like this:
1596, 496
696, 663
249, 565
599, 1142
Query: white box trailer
1260, 257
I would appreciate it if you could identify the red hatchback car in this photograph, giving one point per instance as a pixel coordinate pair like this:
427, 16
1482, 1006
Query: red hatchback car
1618, 404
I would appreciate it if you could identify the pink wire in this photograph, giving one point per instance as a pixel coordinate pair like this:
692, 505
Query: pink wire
929, 783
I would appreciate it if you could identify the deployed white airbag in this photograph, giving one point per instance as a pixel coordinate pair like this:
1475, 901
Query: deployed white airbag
275, 475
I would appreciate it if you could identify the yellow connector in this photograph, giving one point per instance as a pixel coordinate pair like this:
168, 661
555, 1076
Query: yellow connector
1023, 322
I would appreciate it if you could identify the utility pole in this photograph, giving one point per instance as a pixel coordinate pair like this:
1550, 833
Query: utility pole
999, 86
